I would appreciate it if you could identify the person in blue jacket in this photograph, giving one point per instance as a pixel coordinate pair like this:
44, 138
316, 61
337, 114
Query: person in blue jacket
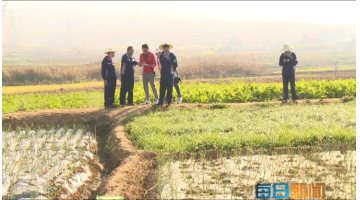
168, 64
128, 65
109, 76
288, 61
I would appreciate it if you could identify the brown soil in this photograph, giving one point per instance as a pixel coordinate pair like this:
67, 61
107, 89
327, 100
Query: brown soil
128, 172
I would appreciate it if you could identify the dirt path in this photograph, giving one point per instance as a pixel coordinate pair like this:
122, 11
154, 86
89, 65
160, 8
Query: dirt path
130, 172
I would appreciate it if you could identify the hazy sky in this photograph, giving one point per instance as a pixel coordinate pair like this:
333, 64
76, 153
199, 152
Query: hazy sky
317, 12
96, 21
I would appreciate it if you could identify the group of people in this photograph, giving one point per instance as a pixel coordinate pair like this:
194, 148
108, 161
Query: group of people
165, 61
168, 66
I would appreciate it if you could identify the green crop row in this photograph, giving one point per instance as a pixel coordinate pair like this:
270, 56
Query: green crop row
191, 93
192, 130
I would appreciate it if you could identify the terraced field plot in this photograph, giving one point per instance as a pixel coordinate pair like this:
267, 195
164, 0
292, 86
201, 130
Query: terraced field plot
235, 177
321, 128
39, 164
192, 130
141, 146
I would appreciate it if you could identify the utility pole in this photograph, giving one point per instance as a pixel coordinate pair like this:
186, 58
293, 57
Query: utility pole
12, 30
4, 8
69, 38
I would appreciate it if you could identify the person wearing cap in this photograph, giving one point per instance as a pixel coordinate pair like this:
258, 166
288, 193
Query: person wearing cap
128, 65
177, 79
168, 63
288, 61
148, 63
109, 76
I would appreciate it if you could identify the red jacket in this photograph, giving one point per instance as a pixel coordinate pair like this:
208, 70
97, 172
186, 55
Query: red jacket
151, 61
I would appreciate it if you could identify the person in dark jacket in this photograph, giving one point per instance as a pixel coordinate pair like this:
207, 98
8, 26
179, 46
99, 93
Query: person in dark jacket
288, 61
128, 65
109, 76
168, 63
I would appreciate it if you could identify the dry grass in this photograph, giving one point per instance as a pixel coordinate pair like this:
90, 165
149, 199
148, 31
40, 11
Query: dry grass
243, 63
50, 74
41, 88
240, 63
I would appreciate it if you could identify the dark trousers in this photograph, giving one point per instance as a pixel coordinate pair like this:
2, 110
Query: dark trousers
127, 86
166, 83
177, 89
109, 92
286, 79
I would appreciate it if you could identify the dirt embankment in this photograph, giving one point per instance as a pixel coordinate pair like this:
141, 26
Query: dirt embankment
122, 170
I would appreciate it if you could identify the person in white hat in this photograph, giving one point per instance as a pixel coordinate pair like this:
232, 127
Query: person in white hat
158, 53
109, 76
176, 75
288, 61
168, 63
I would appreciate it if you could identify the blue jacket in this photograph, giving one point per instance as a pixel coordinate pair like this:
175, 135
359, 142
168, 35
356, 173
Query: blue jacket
288, 67
128, 65
108, 69
168, 65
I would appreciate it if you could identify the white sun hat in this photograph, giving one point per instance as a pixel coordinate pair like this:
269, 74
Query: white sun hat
110, 50
157, 50
286, 47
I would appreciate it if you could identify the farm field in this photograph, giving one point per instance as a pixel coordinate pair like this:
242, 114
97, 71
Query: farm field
229, 133
321, 69
309, 153
24, 71
197, 129
234, 177
42, 163
182, 175
98, 85
233, 92
55, 87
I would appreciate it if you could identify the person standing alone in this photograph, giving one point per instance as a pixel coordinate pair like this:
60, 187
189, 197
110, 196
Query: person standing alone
336, 69
109, 76
148, 63
287, 61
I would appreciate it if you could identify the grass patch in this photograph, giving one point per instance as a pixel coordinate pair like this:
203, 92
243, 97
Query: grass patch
218, 106
194, 130
347, 99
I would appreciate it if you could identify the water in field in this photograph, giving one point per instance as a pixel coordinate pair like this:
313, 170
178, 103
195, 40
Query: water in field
35, 163
235, 177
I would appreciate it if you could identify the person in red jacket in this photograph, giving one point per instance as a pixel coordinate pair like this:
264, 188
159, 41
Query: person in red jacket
148, 64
